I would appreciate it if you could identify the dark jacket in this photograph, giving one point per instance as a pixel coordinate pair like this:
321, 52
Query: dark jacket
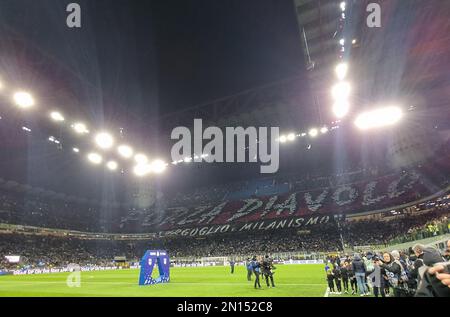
358, 265
417, 264
337, 273
344, 273
431, 286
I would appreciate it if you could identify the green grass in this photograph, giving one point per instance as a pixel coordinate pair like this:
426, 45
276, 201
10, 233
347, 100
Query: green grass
290, 280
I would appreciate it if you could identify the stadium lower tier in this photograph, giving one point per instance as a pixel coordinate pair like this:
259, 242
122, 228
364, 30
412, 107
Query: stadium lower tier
43, 249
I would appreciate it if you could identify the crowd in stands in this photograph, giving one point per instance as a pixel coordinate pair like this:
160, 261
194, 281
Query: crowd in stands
19, 207
328, 237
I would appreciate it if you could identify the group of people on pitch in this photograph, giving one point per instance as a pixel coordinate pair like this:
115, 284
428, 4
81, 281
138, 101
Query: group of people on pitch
420, 271
260, 266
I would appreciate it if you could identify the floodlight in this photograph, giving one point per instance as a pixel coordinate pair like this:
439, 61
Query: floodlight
141, 169
291, 137
80, 128
23, 99
111, 165
341, 70
324, 130
341, 91
56, 116
341, 108
379, 117
313, 132
125, 151
104, 140
95, 158
342, 5
141, 158
158, 166
282, 139
76, 150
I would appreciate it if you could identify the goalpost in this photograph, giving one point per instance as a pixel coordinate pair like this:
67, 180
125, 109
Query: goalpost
214, 260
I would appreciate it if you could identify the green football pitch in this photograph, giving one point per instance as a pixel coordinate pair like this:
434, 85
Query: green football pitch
290, 280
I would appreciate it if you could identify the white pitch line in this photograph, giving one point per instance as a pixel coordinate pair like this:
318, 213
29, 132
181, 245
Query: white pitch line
327, 292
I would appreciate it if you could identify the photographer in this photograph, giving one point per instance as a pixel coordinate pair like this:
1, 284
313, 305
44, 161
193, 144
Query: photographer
394, 273
418, 261
267, 267
378, 278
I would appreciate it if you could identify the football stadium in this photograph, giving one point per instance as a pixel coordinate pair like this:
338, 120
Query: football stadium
225, 149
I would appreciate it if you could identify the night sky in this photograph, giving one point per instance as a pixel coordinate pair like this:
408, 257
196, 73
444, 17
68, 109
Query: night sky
132, 61
138, 59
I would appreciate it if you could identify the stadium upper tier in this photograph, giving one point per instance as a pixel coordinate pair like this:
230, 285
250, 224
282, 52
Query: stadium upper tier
277, 204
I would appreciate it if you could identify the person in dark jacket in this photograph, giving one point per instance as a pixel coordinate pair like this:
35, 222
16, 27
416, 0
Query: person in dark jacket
434, 275
435, 282
256, 265
232, 263
330, 280
267, 267
418, 262
393, 272
378, 278
249, 267
359, 268
345, 276
351, 277
337, 278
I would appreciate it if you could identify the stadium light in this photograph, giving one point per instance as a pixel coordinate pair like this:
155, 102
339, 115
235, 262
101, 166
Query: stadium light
342, 42
354, 41
80, 128
111, 165
324, 130
141, 158
341, 70
291, 136
141, 169
341, 108
125, 151
56, 116
104, 140
379, 117
313, 132
283, 139
26, 129
95, 158
342, 5
158, 166
341, 91
76, 150
23, 99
